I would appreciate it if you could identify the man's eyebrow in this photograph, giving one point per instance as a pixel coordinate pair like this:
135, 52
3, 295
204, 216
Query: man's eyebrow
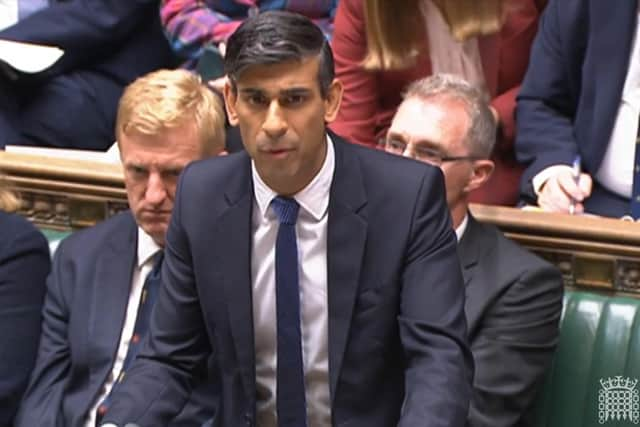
295, 91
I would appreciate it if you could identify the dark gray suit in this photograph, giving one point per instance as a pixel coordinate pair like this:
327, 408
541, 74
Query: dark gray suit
84, 311
397, 336
513, 305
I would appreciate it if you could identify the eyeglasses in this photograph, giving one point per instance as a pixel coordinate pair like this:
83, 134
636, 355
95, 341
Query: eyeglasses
424, 154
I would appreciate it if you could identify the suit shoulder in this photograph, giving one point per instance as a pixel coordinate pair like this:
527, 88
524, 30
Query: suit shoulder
15, 229
211, 173
87, 239
390, 170
510, 255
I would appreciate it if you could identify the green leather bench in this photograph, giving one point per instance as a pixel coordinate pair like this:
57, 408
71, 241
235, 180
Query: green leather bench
596, 366
54, 237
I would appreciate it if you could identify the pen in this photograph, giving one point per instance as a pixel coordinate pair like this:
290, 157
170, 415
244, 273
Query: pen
575, 172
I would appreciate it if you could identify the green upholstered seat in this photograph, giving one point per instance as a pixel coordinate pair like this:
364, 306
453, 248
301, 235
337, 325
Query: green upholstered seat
599, 339
54, 237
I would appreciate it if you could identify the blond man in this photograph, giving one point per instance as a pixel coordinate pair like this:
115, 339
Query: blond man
104, 279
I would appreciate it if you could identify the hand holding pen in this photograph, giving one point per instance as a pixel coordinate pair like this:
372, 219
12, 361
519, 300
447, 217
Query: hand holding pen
565, 190
576, 170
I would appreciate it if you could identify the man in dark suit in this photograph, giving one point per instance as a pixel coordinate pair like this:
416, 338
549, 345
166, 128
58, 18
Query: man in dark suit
73, 103
24, 265
101, 282
513, 298
323, 275
577, 112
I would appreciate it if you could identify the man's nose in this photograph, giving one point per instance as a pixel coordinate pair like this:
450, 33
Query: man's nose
275, 124
156, 190
409, 151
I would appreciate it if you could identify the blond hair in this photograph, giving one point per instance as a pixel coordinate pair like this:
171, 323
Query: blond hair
167, 99
395, 30
9, 201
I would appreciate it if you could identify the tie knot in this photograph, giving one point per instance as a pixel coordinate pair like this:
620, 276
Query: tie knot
286, 208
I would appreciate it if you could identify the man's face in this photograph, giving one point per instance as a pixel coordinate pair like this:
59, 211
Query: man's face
282, 114
151, 168
439, 126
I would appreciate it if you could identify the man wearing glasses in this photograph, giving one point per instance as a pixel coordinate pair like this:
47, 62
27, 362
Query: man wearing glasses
514, 298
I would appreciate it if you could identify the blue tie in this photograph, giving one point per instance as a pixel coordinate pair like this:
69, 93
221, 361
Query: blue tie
147, 300
290, 398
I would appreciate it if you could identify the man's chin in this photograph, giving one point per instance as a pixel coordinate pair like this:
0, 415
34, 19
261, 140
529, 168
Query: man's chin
156, 231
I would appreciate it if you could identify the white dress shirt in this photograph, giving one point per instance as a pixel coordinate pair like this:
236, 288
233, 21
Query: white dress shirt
460, 229
616, 170
147, 248
311, 232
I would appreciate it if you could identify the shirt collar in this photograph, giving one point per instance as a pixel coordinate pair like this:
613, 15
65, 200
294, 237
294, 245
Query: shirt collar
314, 198
147, 247
462, 227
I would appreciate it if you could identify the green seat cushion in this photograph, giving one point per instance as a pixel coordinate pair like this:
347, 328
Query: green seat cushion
599, 339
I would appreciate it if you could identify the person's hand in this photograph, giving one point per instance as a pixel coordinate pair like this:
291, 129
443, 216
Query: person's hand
562, 190
217, 84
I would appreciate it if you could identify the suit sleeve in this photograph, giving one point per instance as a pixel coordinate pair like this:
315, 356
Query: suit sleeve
546, 104
514, 347
356, 120
432, 323
85, 29
42, 401
160, 381
23, 270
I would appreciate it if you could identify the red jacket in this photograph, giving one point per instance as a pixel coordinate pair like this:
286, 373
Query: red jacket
371, 98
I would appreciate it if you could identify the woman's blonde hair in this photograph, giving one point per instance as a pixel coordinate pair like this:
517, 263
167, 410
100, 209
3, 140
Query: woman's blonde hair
9, 201
167, 99
395, 30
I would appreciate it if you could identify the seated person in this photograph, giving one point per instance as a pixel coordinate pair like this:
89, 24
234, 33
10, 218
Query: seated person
104, 279
190, 25
24, 265
73, 103
513, 297
381, 46
577, 113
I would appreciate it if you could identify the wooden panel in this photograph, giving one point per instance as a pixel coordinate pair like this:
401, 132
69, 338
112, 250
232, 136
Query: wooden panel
64, 194
592, 252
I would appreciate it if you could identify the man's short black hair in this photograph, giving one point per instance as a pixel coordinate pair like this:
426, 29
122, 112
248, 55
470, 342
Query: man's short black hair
274, 37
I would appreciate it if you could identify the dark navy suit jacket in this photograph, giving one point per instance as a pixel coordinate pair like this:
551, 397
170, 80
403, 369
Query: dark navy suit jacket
571, 93
107, 45
397, 338
84, 310
513, 305
24, 265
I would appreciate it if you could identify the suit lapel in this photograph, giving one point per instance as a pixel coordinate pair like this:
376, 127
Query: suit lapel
347, 232
469, 251
112, 286
234, 230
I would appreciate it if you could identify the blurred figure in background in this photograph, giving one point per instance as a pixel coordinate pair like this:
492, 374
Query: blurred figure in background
24, 265
578, 110
73, 103
381, 46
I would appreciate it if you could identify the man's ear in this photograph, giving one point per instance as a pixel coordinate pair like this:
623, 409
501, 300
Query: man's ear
480, 174
230, 97
333, 100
